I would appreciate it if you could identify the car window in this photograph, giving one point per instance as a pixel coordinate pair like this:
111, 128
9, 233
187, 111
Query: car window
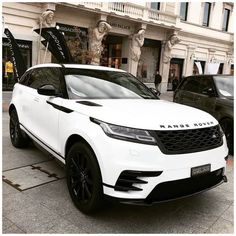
205, 83
43, 76
191, 85
225, 85
101, 84
25, 78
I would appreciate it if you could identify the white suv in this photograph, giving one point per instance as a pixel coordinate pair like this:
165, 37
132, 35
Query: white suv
116, 138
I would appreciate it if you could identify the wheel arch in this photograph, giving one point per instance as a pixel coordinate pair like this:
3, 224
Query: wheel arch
226, 118
74, 138
11, 108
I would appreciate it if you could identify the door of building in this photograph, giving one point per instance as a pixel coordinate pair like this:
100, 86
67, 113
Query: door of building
175, 73
112, 52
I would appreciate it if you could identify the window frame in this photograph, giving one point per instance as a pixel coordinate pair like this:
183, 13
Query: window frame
206, 24
185, 18
225, 27
158, 6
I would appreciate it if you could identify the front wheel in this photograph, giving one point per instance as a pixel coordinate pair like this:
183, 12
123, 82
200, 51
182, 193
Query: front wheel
18, 138
84, 178
228, 128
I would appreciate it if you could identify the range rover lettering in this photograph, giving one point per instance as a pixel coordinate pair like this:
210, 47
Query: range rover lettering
115, 137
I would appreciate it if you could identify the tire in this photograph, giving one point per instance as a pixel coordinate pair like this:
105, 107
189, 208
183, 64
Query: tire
228, 128
84, 180
19, 139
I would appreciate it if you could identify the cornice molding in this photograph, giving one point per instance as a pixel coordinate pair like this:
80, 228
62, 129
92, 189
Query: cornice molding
204, 37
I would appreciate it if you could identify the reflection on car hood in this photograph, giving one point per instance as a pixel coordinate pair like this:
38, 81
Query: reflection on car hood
144, 114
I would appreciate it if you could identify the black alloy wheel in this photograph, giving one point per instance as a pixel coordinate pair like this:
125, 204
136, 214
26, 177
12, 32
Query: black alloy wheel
18, 138
227, 126
84, 178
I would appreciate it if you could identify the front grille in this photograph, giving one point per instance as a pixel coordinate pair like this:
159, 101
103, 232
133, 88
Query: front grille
184, 187
189, 140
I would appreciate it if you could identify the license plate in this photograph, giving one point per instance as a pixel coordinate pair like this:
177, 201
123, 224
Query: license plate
200, 170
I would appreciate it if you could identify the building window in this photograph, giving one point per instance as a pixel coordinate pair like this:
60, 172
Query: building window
183, 10
221, 67
232, 69
206, 16
155, 5
226, 19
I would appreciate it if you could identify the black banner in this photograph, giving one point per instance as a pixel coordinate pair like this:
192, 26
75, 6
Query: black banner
57, 44
47, 45
17, 58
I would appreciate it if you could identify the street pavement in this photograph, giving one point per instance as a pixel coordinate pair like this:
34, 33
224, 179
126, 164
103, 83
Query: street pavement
36, 200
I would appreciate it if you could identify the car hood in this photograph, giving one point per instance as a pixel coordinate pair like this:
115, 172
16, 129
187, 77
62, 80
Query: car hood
144, 113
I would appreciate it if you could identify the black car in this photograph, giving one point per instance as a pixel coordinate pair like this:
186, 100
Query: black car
213, 94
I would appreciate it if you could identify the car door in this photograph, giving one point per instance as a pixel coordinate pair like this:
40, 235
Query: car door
188, 91
23, 100
44, 116
206, 96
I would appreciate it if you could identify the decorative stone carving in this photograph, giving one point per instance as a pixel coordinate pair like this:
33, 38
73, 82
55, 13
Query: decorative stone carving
46, 19
136, 44
173, 39
96, 36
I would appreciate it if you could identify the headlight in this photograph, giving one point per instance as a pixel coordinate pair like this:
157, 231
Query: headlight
126, 133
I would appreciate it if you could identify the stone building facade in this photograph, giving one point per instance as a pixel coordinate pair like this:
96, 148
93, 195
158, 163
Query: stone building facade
203, 33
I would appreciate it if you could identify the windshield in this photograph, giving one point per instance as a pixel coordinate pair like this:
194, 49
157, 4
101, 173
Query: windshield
225, 85
100, 84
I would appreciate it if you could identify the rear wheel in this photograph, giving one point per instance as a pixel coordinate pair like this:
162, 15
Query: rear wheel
227, 126
19, 139
84, 178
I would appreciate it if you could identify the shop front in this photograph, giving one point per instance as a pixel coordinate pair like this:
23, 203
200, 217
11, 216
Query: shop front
8, 77
77, 42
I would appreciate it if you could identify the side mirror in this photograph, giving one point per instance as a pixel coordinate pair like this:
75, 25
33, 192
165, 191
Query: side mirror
209, 92
48, 90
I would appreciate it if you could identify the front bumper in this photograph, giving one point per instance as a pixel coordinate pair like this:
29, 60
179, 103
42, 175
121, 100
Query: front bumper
178, 189
117, 156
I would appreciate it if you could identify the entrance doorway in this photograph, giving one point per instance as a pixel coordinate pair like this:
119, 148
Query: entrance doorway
112, 52
175, 73
149, 61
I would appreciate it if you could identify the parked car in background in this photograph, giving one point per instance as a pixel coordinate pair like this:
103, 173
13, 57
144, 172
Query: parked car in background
213, 94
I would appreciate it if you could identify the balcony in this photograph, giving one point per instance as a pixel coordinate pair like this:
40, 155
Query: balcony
133, 11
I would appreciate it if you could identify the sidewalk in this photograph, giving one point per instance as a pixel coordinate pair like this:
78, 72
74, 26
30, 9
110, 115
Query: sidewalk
6, 98
168, 96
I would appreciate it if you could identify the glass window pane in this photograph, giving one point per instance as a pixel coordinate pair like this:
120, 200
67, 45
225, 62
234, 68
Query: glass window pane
226, 19
99, 84
183, 10
206, 16
155, 5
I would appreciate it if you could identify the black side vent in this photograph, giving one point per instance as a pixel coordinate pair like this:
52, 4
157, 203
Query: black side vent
129, 177
88, 103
